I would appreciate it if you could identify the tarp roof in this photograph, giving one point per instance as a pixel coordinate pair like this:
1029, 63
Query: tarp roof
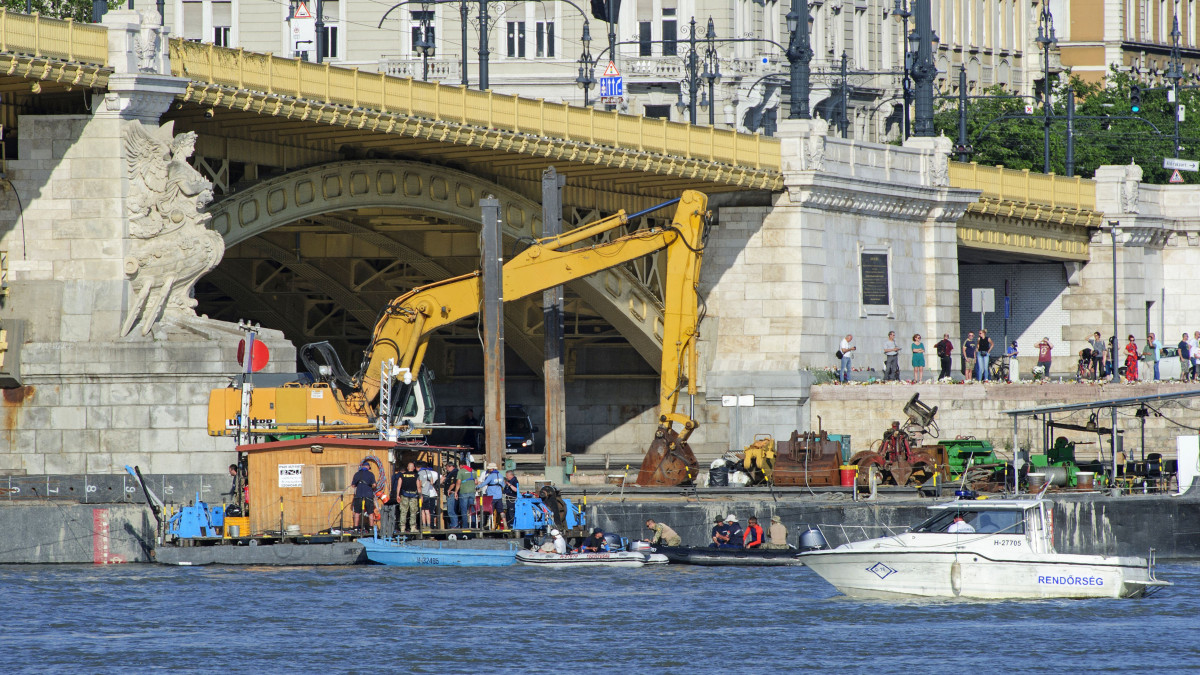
1110, 403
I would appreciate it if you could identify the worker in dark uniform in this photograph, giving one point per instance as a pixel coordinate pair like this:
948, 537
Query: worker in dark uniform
595, 543
753, 538
720, 533
364, 496
408, 500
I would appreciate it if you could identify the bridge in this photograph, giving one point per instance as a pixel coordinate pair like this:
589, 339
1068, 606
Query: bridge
336, 189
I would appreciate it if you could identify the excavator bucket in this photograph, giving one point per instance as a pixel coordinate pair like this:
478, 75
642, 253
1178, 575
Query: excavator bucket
669, 462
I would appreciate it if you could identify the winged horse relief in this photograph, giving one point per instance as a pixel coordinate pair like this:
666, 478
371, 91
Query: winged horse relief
171, 244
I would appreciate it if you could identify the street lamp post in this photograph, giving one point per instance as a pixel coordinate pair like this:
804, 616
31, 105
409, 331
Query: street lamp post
1045, 38
924, 70
319, 26
584, 80
484, 19
1114, 232
712, 70
1175, 74
799, 56
425, 45
902, 12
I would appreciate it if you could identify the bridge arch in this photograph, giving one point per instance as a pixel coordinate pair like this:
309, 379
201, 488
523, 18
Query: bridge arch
616, 294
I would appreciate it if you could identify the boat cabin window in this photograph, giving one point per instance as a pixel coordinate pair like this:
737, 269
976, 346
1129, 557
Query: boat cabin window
982, 522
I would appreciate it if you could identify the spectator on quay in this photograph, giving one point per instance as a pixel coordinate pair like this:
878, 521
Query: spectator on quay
491, 485
1185, 359
466, 493
944, 349
891, 360
1045, 355
983, 355
1014, 370
429, 495
1131, 360
1194, 352
450, 487
1110, 357
847, 350
1097, 345
918, 358
512, 488
1153, 353
969, 349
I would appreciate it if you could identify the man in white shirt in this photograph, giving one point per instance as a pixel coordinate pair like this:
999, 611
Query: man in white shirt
960, 526
891, 361
1194, 351
429, 495
847, 349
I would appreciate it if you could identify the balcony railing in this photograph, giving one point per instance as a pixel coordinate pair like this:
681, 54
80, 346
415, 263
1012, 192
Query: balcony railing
447, 67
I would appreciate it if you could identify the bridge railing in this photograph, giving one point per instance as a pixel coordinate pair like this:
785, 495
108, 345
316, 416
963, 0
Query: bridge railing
53, 38
446, 103
997, 182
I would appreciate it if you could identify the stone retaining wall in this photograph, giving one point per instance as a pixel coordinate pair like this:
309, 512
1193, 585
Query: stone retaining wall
865, 411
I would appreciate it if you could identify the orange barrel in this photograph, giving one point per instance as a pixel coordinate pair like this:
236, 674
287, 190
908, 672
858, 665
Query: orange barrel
849, 472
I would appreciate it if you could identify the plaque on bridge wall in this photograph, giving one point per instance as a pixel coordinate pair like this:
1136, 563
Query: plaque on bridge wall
875, 281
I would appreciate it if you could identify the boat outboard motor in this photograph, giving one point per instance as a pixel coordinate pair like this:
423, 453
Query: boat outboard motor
812, 540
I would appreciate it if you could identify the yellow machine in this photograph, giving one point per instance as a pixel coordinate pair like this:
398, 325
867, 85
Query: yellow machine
402, 335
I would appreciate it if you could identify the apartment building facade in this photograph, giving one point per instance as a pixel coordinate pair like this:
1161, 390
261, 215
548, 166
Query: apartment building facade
537, 49
1129, 33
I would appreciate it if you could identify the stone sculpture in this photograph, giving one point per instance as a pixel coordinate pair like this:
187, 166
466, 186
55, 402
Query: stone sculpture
172, 246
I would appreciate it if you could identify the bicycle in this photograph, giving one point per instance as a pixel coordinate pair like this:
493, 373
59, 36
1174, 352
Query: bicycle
998, 369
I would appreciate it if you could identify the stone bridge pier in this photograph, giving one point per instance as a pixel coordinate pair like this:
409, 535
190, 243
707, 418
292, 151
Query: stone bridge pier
105, 234
861, 241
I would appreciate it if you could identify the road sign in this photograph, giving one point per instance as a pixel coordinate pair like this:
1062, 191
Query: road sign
983, 300
612, 85
302, 12
1181, 164
1028, 108
1176, 177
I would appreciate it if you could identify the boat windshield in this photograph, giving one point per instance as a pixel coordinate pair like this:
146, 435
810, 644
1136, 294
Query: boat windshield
988, 521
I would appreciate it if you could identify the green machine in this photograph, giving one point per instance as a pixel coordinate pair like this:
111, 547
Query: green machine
1061, 455
960, 452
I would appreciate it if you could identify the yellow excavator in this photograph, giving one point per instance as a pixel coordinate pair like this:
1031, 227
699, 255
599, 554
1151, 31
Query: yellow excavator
340, 404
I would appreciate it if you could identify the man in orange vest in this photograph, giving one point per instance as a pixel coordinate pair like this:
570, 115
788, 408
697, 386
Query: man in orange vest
754, 534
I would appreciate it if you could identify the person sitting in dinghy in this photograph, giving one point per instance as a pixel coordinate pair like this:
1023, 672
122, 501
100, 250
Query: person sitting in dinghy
720, 533
595, 543
735, 532
556, 545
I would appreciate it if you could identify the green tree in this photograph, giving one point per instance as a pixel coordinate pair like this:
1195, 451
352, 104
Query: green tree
80, 10
1106, 130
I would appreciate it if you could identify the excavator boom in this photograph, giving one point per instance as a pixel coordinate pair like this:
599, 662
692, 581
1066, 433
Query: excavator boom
406, 324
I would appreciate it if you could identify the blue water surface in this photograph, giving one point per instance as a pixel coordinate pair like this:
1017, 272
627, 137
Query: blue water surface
378, 620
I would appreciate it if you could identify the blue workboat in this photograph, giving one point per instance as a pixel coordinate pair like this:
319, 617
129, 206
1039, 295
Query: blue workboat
434, 553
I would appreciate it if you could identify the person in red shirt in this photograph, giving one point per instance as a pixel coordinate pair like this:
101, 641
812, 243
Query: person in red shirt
1044, 353
753, 538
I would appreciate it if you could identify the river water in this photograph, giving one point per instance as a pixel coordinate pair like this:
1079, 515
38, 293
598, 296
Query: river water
378, 620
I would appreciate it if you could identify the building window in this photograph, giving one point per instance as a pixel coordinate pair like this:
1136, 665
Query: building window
662, 112
516, 39
221, 36
644, 39
329, 43
333, 478
422, 19
545, 39
670, 33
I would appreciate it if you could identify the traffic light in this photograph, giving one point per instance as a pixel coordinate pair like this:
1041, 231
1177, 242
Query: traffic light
1135, 97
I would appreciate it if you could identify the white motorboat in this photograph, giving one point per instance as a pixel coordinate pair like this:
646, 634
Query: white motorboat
608, 559
984, 549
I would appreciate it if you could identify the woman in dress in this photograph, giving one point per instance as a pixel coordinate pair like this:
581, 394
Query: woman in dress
918, 359
1131, 360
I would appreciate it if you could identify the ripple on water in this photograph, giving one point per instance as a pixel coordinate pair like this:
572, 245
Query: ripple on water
81, 618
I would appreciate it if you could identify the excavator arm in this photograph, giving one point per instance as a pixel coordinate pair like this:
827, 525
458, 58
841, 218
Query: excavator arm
406, 324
